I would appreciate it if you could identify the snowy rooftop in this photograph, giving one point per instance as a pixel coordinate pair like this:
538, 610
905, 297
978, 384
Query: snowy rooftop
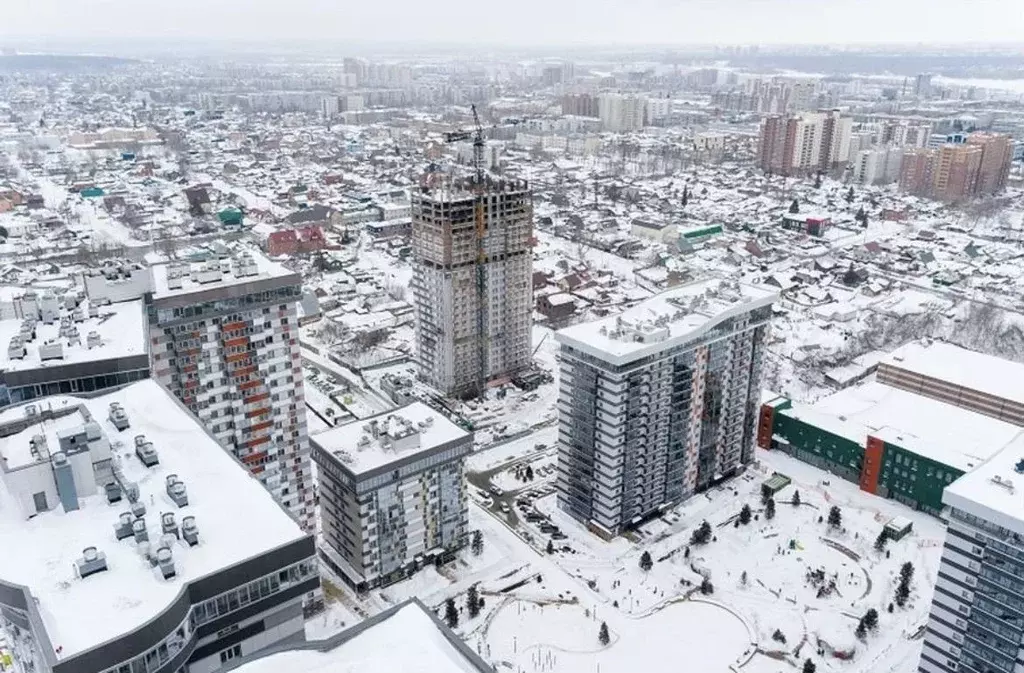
177, 278
994, 491
388, 437
82, 334
962, 367
667, 319
945, 433
408, 641
236, 519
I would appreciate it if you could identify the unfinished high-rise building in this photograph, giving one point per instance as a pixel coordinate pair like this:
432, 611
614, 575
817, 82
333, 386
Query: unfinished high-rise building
472, 281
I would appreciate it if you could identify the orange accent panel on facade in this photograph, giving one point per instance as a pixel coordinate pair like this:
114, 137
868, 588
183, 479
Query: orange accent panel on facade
254, 457
255, 398
873, 454
240, 341
765, 424
236, 357
232, 326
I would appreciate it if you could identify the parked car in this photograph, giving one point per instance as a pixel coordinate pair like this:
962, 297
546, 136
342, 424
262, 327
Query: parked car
497, 491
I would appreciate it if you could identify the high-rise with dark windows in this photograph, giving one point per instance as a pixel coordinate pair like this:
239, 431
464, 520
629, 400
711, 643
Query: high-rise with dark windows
659, 403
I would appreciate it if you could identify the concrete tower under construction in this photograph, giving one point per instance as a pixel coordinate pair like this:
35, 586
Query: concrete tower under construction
471, 242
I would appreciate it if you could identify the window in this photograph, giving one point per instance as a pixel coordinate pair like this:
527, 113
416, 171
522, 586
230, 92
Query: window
230, 653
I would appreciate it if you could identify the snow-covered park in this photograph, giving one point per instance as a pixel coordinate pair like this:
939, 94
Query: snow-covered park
762, 596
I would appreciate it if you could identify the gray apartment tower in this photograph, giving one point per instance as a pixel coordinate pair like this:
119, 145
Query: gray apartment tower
976, 624
472, 281
659, 403
391, 494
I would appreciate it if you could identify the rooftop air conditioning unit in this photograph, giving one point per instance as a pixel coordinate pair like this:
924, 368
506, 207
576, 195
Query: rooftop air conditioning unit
118, 416
176, 490
189, 531
92, 562
123, 528
93, 340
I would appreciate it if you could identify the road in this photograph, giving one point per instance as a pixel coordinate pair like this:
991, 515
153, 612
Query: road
482, 480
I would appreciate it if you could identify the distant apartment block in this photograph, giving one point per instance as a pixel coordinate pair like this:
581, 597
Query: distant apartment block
224, 337
808, 143
60, 342
977, 165
622, 112
580, 105
472, 284
392, 497
660, 402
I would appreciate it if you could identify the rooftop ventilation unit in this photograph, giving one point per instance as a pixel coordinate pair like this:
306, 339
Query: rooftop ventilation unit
51, 350
27, 332
118, 416
78, 315
1019, 467
189, 531
176, 490
92, 562
138, 509
31, 411
207, 272
168, 525
114, 493
166, 562
1003, 482
174, 274
94, 310
145, 451
64, 476
16, 349
139, 530
93, 340
245, 266
123, 527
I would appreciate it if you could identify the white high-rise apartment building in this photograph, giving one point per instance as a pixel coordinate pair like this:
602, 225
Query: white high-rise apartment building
976, 624
660, 402
621, 112
472, 282
878, 166
224, 339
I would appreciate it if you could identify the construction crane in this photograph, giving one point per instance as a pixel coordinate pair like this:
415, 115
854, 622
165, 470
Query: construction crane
479, 194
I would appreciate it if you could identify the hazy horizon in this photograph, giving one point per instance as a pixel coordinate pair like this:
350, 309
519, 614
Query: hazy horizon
526, 23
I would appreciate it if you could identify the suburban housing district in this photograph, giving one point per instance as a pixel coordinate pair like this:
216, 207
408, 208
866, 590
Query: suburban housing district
518, 364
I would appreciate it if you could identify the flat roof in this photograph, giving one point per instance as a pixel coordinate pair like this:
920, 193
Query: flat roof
408, 641
236, 517
667, 319
962, 367
993, 490
948, 434
192, 276
121, 327
355, 445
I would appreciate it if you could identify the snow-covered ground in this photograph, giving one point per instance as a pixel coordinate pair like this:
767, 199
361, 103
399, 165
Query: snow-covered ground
766, 576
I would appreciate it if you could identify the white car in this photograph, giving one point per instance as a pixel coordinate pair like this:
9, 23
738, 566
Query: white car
504, 508
497, 491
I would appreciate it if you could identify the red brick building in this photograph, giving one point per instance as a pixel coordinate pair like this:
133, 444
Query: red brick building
301, 241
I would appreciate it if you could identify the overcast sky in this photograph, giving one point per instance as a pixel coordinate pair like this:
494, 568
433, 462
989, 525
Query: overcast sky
523, 22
